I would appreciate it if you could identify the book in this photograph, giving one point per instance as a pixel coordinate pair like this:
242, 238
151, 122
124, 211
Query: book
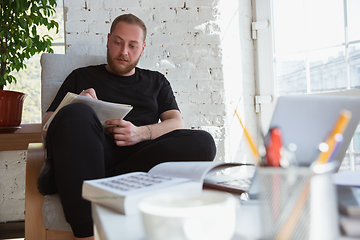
123, 193
349, 209
104, 110
350, 226
349, 200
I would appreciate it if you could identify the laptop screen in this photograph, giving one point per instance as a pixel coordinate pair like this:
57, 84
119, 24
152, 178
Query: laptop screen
307, 121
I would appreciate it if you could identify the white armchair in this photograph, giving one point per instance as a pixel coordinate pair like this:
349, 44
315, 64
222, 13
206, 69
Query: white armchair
44, 216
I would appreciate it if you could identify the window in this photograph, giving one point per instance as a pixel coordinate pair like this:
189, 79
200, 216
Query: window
29, 79
311, 46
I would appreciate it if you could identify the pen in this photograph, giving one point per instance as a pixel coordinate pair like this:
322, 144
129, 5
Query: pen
331, 141
286, 230
250, 141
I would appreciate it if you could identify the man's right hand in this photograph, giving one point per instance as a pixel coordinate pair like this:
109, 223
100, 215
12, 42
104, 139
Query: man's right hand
90, 92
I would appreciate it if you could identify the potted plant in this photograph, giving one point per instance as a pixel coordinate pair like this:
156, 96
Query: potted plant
19, 41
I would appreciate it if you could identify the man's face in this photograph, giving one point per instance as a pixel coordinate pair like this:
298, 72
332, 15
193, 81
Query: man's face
125, 46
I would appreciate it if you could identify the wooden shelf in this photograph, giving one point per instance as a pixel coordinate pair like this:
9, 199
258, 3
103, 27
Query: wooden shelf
19, 140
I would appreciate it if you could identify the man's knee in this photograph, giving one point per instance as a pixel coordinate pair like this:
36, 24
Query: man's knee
76, 110
74, 116
203, 142
208, 143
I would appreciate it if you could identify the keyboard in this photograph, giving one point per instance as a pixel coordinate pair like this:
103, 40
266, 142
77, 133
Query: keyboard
239, 185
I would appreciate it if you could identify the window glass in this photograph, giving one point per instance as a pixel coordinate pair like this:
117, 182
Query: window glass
327, 69
345, 164
314, 30
289, 26
290, 74
324, 23
357, 161
356, 140
354, 65
316, 48
353, 19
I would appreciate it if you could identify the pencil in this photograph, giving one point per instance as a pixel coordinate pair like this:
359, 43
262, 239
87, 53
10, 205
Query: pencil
339, 128
287, 229
254, 150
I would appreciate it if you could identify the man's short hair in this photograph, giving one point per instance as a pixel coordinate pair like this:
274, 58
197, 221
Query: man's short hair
130, 19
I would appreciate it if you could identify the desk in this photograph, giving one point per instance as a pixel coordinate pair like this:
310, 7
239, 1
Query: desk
20, 139
110, 225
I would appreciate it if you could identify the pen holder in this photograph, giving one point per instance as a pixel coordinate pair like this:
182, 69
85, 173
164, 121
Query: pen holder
298, 203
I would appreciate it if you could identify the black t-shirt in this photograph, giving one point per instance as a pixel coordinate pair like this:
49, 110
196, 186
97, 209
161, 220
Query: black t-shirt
149, 92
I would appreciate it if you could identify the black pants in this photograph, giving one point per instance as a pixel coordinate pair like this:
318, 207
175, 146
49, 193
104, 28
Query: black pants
82, 151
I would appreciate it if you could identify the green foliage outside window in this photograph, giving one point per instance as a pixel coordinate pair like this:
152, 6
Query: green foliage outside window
28, 78
19, 38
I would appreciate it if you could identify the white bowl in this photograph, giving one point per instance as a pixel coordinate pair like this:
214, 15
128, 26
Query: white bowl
207, 215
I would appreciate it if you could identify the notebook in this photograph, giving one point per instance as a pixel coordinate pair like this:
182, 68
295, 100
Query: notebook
237, 183
305, 121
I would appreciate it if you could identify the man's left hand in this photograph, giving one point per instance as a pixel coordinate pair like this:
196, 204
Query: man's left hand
124, 132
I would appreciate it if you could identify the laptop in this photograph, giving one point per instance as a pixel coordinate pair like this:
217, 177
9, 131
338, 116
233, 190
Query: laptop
305, 121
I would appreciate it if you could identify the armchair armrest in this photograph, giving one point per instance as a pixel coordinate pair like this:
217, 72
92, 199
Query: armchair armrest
34, 226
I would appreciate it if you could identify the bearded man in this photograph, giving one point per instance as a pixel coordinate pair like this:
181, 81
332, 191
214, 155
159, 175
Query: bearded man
150, 134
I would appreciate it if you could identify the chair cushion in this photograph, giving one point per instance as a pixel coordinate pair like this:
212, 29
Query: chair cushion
54, 69
53, 214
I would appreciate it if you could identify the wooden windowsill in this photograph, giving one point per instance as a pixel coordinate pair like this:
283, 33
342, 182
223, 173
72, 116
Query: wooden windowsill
19, 140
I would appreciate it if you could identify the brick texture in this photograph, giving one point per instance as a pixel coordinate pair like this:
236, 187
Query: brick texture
204, 49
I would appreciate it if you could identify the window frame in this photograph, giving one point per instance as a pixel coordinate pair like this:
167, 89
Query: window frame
264, 57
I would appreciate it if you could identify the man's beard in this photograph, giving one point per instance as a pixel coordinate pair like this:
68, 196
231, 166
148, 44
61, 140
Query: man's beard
118, 69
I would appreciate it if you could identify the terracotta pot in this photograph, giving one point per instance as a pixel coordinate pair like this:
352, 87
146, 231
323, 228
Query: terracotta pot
11, 105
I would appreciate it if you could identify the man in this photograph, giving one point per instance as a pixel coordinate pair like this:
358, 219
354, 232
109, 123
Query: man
81, 149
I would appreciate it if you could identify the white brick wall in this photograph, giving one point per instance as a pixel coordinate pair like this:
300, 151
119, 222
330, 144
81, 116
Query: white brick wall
202, 46
12, 185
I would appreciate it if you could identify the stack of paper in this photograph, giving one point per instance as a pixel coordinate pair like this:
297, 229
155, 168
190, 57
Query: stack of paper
348, 187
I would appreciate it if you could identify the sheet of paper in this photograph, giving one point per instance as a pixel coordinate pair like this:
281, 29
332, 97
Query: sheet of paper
104, 110
195, 171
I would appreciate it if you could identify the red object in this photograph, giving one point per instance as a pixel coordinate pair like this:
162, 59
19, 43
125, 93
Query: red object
11, 104
273, 154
